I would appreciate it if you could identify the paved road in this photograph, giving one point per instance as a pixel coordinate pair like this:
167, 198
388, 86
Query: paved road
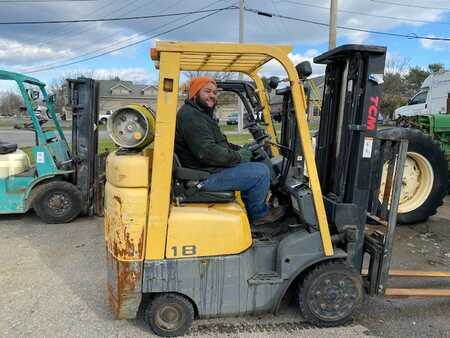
26, 138
52, 281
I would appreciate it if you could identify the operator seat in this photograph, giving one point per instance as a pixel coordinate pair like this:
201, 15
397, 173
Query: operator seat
185, 186
7, 148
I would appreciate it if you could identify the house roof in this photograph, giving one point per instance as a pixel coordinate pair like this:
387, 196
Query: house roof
105, 87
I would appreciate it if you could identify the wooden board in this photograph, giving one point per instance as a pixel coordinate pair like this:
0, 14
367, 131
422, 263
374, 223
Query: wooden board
416, 293
414, 273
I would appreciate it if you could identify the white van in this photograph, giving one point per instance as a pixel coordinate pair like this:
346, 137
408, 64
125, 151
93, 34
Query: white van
431, 99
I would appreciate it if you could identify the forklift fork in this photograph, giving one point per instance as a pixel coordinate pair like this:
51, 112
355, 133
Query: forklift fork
379, 243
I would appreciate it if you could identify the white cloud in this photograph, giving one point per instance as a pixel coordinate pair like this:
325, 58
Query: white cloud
29, 46
435, 45
274, 68
137, 75
14, 53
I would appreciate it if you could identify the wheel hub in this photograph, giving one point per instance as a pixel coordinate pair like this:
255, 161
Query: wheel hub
333, 297
169, 317
59, 203
417, 182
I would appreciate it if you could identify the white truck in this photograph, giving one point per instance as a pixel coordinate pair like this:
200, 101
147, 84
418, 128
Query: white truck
432, 97
103, 117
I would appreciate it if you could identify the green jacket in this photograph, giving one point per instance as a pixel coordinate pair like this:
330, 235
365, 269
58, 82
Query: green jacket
199, 143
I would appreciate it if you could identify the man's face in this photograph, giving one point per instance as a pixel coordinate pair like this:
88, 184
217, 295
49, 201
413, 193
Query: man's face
208, 95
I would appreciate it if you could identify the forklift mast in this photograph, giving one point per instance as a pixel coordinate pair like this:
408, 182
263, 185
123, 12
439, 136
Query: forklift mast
346, 138
348, 120
90, 166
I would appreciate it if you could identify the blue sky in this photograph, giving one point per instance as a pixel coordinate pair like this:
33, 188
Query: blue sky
25, 48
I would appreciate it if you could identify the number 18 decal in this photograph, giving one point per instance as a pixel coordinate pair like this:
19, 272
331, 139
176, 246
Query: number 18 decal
186, 250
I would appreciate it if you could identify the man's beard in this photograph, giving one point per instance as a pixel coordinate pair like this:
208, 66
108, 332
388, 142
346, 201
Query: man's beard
204, 105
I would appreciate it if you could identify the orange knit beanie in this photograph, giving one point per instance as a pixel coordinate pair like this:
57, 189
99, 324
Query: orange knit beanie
198, 83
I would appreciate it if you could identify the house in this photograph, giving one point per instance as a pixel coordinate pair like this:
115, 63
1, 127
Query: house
116, 93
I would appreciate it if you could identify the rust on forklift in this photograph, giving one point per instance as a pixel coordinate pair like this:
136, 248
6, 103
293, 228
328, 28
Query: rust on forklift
124, 260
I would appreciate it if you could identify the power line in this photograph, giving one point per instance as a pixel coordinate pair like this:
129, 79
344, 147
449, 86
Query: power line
410, 5
110, 19
134, 43
408, 36
66, 29
117, 43
41, 1
366, 14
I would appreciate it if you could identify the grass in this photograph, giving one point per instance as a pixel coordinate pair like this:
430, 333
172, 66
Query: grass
227, 128
240, 139
106, 145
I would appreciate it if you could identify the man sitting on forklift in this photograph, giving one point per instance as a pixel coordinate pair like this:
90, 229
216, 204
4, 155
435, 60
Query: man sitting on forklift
200, 144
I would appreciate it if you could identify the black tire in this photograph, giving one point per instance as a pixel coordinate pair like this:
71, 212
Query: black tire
423, 144
169, 315
329, 294
103, 120
57, 202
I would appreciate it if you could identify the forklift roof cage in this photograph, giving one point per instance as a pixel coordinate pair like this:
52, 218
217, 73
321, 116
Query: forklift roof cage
221, 57
5, 75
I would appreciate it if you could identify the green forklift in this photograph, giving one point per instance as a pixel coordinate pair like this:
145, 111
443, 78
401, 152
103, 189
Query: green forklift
58, 182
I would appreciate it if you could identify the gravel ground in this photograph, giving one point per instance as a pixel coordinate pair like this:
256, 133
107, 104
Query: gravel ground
53, 284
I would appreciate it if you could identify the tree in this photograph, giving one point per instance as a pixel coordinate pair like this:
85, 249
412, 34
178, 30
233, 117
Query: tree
219, 76
10, 104
397, 64
414, 80
436, 67
58, 88
393, 94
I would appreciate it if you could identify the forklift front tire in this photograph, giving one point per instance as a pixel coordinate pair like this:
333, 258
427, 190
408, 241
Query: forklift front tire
57, 202
329, 294
169, 315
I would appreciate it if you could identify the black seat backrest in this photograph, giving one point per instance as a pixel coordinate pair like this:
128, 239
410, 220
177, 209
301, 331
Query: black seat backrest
187, 191
7, 148
187, 174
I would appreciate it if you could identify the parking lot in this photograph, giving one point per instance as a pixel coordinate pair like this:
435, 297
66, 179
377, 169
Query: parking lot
53, 283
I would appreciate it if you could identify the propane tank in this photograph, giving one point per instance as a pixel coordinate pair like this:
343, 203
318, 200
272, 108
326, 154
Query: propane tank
132, 127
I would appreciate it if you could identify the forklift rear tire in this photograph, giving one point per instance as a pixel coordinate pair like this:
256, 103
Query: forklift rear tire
329, 294
57, 202
169, 315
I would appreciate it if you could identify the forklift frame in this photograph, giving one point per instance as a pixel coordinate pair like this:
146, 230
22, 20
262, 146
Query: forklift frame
51, 152
165, 253
174, 57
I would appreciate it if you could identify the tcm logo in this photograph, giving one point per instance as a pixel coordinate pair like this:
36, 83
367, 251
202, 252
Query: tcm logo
373, 113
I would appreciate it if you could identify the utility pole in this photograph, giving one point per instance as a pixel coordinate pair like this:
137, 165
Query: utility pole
333, 17
241, 40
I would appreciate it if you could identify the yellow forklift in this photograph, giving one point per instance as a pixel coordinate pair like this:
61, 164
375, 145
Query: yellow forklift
178, 253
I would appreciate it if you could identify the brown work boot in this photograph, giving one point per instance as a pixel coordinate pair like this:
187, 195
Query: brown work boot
273, 215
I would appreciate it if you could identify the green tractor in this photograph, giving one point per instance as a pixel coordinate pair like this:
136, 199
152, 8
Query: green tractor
425, 122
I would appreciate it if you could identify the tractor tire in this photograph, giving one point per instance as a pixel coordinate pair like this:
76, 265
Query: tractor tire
330, 293
425, 177
169, 315
57, 202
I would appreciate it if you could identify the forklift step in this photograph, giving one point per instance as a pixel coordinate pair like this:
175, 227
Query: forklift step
270, 277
